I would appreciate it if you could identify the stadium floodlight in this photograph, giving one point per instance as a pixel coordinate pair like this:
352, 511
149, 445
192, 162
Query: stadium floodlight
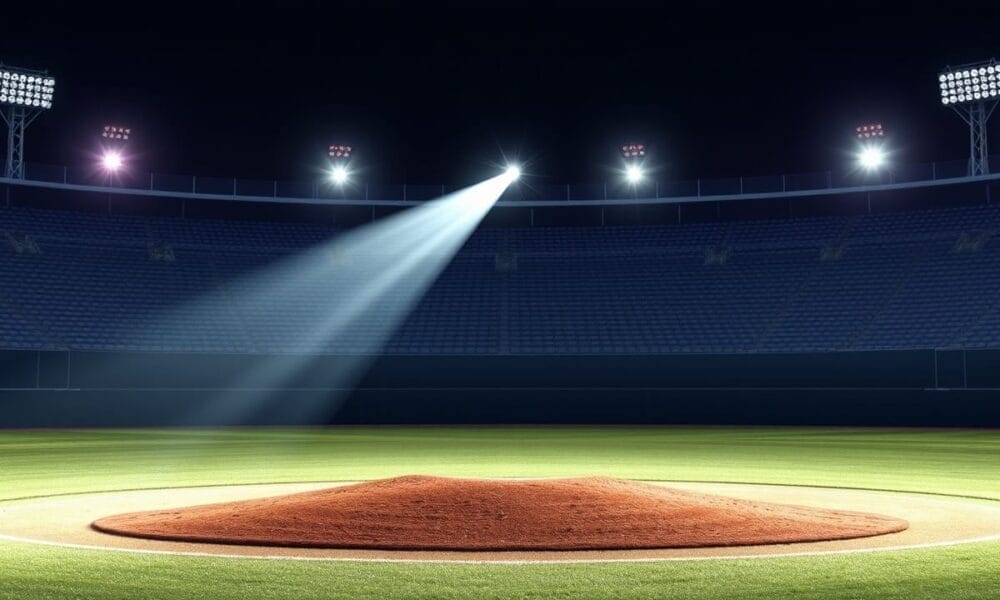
339, 175
513, 172
22, 87
631, 151
973, 91
112, 161
340, 151
24, 95
634, 155
869, 131
871, 158
633, 174
340, 157
116, 132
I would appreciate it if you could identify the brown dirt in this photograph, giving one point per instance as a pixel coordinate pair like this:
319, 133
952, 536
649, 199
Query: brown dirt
435, 513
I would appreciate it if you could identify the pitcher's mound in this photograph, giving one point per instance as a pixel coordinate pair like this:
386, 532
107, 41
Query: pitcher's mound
436, 513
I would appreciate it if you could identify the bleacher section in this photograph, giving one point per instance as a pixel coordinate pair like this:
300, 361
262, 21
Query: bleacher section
920, 279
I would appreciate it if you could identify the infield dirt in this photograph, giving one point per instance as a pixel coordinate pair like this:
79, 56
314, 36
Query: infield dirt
437, 513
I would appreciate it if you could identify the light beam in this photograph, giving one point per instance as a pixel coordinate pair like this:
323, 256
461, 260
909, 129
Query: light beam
345, 297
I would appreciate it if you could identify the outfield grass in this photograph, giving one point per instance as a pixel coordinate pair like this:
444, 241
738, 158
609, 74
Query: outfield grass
963, 463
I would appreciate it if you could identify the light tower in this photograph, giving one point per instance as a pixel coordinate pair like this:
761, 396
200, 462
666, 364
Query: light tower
115, 138
634, 155
871, 154
340, 157
24, 95
972, 91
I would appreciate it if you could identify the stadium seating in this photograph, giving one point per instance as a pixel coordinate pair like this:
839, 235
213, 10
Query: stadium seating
918, 279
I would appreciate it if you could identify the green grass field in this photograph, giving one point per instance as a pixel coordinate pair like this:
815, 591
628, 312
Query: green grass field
41, 463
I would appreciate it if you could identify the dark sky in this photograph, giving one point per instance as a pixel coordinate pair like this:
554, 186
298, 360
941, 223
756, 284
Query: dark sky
431, 93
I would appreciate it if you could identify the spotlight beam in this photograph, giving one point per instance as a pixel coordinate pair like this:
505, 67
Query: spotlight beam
345, 297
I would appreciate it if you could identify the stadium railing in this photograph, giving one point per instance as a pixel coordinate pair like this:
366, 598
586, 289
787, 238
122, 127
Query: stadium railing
652, 188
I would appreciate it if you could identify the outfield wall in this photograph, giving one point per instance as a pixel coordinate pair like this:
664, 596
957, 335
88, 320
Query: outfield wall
917, 388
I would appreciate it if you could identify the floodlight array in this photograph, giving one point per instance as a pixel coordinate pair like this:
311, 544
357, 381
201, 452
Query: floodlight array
114, 132
970, 84
867, 132
633, 150
340, 151
30, 90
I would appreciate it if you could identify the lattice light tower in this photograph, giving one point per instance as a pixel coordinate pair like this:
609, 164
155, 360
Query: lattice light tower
972, 91
24, 95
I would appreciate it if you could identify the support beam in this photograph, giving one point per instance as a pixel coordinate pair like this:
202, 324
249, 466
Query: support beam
976, 115
17, 119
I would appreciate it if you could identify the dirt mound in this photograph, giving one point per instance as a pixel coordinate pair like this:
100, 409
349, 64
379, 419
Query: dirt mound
436, 513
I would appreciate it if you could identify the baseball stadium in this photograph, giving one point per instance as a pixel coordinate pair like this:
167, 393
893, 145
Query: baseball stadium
650, 386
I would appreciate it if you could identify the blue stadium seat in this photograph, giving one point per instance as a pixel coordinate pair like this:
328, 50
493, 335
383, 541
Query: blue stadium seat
897, 280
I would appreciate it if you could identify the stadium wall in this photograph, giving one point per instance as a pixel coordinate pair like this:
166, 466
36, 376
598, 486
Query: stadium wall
911, 388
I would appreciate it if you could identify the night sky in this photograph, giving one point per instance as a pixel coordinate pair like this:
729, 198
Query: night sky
433, 93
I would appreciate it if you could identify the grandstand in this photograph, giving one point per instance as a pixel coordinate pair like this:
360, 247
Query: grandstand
878, 304
898, 280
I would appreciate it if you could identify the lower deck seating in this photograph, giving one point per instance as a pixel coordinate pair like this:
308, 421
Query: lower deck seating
887, 281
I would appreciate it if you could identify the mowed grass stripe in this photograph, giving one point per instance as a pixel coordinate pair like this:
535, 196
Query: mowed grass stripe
938, 461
